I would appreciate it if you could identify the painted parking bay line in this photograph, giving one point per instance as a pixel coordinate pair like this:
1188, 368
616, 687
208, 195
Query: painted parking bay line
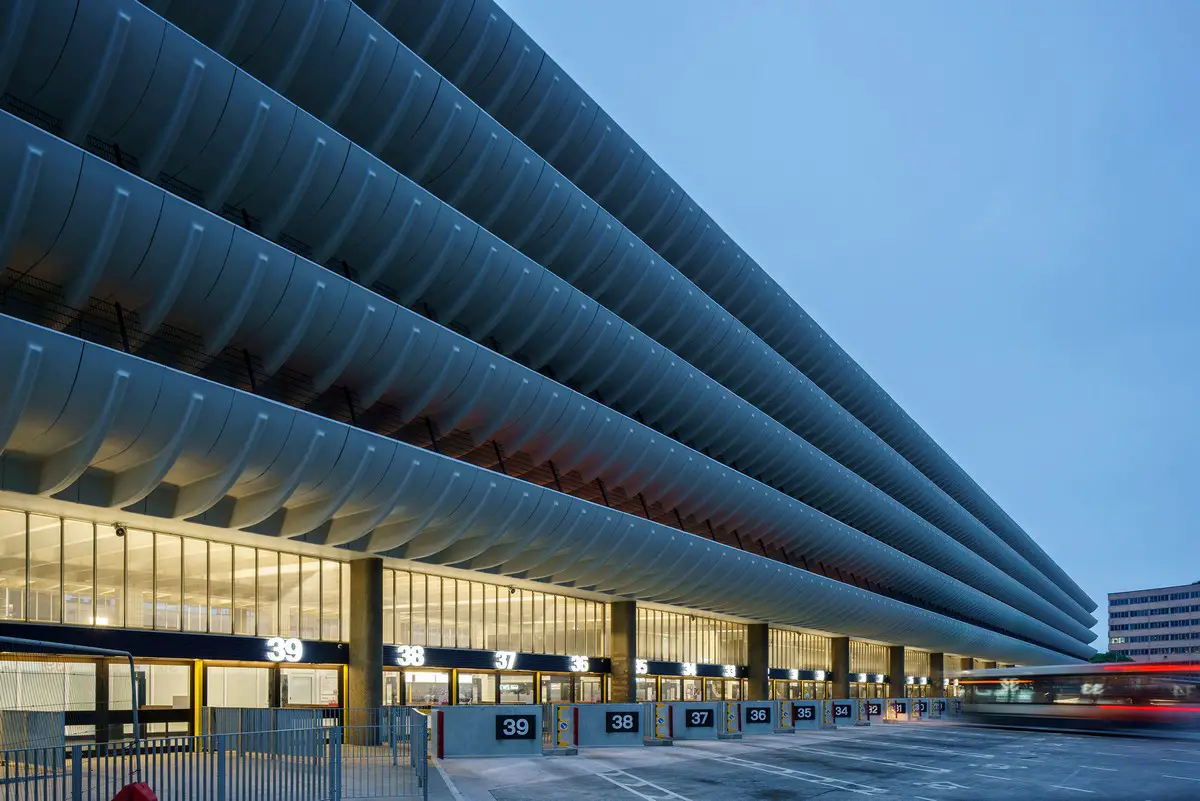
891, 763
928, 749
798, 775
640, 787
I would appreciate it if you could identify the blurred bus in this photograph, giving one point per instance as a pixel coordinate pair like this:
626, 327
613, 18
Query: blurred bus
1124, 696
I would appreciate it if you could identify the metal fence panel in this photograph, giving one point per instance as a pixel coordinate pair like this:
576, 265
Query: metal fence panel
382, 755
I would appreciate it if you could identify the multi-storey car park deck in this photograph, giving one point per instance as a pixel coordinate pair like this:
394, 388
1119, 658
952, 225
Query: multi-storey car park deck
367, 326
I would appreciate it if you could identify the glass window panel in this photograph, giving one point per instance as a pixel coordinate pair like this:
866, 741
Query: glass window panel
477, 688
139, 592
245, 597
463, 613
403, 631
239, 687
433, 609
78, 545
540, 645
268, 594
289, 595
478, 632
573, 622
497, 622
331, 597
13, 550
426, 687
310, 598
309, 686
526, 620
516, 688
195, 584
389, 606
448, 614
45, 579
167, 582
110, 577
345, 601
419, 634
561, 640
220, 588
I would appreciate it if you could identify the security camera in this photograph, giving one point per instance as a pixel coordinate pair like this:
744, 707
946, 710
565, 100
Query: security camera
119, 529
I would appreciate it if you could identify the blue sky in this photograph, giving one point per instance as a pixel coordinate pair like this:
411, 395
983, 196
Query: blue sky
994, 207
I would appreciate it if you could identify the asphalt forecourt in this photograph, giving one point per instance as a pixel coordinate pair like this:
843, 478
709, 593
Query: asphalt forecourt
939, 761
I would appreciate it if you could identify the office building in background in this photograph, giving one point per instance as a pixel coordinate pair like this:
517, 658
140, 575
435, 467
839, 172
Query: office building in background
1156, 625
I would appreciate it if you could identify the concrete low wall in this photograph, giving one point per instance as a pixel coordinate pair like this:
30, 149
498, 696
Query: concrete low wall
875, 709
758, 717
690, 722
845, 711
899, 710
480, 731
600, 725
806, 715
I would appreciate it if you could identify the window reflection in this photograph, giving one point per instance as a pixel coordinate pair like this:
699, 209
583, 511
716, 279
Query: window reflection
74, 572
437, 611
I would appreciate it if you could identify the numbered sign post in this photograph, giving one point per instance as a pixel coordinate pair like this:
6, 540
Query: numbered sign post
474, 731
860, 713
784, 710
806, 715
700, 720
611, 724
757, 717
937, 709
875, 709
826, 721
919, 710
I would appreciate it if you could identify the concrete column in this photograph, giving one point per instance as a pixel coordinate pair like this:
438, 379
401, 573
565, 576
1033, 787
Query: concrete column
366, 634
622, 639
840, 659
896, 670
758, 655
937, 673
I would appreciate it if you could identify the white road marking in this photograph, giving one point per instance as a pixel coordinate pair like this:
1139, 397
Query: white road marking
1001, 778
929, 749
893, 763
1185, 778
449, 784
631, 783
800, 775
1076, 789
1097, 767
1180, 761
